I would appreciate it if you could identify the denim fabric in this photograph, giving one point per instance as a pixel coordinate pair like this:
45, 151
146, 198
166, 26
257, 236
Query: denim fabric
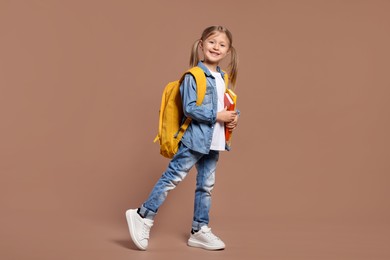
200, 132
177, 170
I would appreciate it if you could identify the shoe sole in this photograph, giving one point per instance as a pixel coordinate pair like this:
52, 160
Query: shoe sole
194, 243
130, 223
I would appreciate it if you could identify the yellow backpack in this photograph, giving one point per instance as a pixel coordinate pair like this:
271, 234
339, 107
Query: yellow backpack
171, 129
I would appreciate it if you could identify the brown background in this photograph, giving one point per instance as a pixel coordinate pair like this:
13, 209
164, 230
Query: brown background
80, 87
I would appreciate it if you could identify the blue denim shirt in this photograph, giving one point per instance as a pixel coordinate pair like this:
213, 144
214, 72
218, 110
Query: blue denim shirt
200, 132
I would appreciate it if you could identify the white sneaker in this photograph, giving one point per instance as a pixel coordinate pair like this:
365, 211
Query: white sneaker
205, 239
139, 228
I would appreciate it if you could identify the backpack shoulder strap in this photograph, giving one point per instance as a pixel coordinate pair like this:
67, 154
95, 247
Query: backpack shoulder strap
201, 84
226, 79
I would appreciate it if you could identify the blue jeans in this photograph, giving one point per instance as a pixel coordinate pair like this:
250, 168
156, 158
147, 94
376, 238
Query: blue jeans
177, 170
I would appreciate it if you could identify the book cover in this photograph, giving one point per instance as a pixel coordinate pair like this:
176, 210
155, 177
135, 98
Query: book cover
229, 103
230, 100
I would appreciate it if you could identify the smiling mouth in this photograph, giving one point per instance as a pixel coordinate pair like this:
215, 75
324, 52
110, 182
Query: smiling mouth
214, 53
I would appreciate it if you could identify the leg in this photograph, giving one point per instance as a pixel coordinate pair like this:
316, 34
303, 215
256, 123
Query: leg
201, 235
206, 167
177, 170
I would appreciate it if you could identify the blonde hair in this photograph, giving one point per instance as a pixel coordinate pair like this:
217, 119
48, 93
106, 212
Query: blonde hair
233, 65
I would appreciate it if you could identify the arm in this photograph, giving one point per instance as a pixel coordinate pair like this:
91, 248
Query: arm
201, 113
188, 94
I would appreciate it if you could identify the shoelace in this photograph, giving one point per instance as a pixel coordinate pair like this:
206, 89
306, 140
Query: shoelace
209, 234
146, 230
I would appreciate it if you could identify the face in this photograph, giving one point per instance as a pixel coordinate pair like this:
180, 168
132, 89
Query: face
215, 48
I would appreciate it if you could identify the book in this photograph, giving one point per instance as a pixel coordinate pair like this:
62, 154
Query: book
229, 103
230, 100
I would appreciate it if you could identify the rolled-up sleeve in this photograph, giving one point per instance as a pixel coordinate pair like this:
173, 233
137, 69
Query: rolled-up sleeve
189, 96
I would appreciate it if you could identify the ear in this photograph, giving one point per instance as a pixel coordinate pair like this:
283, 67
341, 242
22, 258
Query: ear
201, 44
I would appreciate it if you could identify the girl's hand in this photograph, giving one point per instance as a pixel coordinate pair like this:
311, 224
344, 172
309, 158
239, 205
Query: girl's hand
226, 116
233, 124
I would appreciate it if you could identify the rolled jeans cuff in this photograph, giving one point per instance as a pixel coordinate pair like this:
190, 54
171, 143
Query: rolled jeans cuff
197, 225
147, 213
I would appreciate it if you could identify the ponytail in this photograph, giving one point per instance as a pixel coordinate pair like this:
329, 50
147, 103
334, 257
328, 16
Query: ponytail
233, 66
194, 58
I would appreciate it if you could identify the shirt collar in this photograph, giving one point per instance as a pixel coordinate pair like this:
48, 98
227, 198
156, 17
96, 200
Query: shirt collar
207, 71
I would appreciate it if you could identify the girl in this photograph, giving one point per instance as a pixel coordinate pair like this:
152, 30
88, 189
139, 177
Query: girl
200, 145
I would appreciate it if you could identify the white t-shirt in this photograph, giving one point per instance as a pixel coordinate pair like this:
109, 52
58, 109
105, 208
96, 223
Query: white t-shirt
218, 141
